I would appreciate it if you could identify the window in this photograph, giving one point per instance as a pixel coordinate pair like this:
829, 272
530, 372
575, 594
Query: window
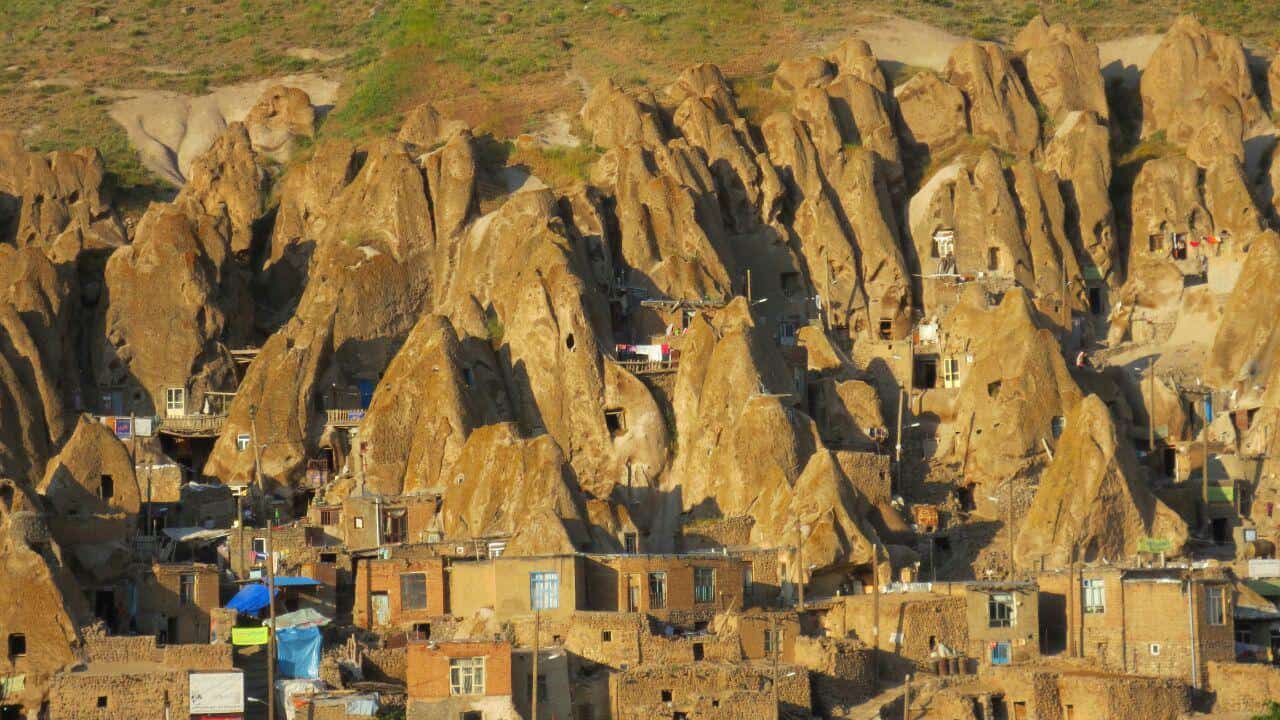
787, 332
421, 631
187, 589
629, 543
772, 641
17, 645
950, 372
615, 421
1000, 610
1217, 606
1095, 599
496, 548
1000, 653
1244, 635
358, 522
413, 591
993, 258
704, 585
242, 442
466, 676
102, 701
1154, 649
175, 401
331, 518
469, 377
666, 696
657, 590
1179, 246
944, 243
330, 558
746, 581
544, 590
1057, 425
260, 546
886, 329
606, 636
393, 526
698, 652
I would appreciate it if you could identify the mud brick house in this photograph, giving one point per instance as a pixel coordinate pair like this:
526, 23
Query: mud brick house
1167, 622
132, 677
400, 593
175, 600
710, 691
1003, 621
514, 586
370, 521
679, 589
463, 679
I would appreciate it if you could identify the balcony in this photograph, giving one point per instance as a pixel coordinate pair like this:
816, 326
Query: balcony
344, 418
650, 367
194, 425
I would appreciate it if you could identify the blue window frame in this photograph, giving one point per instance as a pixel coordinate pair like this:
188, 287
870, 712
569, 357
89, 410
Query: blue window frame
544, 590
1000, 653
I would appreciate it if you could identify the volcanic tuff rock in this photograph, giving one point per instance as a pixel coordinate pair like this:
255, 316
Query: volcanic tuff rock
1092, 504
853, 58
999, 109
931, 113
1196, 88
436, 391
1016, 385
45, 198
38, 367
282, 115
798, 73
1062, 69
1079, 153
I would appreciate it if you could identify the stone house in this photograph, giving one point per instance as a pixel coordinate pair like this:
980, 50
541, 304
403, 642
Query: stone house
461, 679
1003, 621
515, 586
678, 589
1168, 622
175, 600
370, 521
132, 677
710, 691
400, 593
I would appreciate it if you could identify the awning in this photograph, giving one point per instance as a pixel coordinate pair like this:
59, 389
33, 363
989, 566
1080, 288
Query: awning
304, 618
194, 534
295, 581
250, 599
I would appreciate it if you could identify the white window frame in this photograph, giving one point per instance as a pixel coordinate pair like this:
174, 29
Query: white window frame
1095, 595
950, 372
466, 676
1216, 606
175, 402
242, 442
544, 590
1001, 598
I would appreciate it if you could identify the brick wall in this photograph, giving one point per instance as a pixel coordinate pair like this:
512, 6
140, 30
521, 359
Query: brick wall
612, 577
383, 576
428, 667
1243, 687
709, 691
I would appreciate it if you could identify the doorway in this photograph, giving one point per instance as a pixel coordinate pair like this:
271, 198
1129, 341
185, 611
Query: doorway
381, 609
1221, 532
11, 712
633, 593
104, 607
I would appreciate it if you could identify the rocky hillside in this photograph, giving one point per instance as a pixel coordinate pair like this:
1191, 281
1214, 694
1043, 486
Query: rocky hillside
964, 234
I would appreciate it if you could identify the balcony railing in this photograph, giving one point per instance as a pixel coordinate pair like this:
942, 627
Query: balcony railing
194, 425
344, 418
650, 367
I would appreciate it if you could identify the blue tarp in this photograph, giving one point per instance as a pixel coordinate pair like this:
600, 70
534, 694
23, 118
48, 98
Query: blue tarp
292, 581
298, 652
250, 599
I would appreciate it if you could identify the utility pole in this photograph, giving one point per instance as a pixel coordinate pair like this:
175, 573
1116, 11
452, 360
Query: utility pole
537, 627
271, 570
1207, 402
800, 560
1009, 504
906, 700
1151, 404
773, 631
875, 605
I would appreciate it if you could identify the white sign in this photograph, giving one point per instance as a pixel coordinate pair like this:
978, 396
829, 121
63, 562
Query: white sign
216, 693
1260, 568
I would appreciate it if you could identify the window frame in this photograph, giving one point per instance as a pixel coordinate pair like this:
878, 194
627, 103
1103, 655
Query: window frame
995, 601
1215, 606
411, 594
467, 676
704, 585
187, 584
544, 590
175, 401
658, 598
1093, 592
950, 372
773, 638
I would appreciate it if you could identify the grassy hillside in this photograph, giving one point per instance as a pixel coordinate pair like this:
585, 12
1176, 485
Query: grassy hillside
505, 67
